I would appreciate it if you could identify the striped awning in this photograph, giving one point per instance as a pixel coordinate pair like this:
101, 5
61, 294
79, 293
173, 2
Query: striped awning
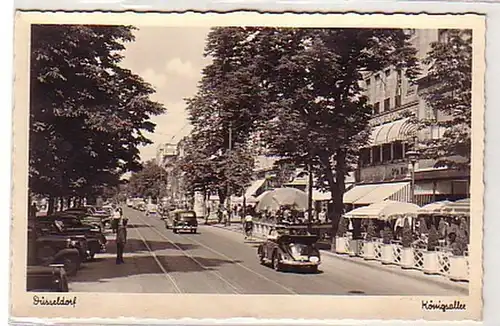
254, 187
393, 131
384, 210
434, 208
369, 194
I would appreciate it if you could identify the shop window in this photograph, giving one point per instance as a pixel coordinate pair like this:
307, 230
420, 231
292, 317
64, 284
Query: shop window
408, 147
364, 157
387, 104
376, 154
386, 153
397, 150
376, 108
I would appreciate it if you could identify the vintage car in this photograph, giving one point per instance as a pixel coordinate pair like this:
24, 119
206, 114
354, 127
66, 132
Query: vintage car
87, 216
72, 227
48, 249
51, 278
181, 220
286, 249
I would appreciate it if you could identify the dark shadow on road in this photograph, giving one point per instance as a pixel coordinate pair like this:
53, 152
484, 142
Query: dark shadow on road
137, 226
105, 268
136, 245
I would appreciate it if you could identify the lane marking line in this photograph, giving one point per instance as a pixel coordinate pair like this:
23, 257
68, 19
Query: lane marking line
165, 273
244, 267
187, 254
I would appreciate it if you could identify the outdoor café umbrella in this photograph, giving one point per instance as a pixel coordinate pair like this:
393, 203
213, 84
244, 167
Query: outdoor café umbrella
384, 210
276, 198
433, 208
459, 207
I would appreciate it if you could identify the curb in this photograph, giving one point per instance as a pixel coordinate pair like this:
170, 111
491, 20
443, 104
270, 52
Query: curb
438, 280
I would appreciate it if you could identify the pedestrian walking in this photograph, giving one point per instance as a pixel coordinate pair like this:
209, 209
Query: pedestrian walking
117, 216
121, 240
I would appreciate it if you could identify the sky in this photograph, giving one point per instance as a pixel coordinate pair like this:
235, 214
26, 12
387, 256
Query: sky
171, 59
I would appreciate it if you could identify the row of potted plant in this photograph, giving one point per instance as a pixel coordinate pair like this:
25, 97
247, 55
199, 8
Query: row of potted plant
408, 255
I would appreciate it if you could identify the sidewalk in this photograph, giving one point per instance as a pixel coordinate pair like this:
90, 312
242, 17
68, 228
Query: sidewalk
393, 269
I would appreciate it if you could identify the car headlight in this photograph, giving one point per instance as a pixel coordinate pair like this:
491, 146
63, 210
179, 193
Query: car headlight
314, 259
74, 243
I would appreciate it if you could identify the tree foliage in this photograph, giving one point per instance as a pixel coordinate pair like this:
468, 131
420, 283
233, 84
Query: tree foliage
296, 93
449, 96
87, 113
150, 181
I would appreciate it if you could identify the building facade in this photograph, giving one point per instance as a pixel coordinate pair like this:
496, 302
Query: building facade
385, 170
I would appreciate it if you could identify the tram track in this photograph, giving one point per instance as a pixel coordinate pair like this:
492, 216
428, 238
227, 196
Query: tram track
218, 253
160, 265
234, 288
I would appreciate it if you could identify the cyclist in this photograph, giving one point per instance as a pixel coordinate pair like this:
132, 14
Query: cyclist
248, 226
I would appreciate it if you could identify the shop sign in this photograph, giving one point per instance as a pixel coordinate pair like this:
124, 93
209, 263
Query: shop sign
385, 172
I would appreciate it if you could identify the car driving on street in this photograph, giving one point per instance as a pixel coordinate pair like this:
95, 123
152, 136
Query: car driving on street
181, 220
285, 249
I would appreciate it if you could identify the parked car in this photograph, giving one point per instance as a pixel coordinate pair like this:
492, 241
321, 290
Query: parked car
51, 278
283, 249
70, 226
88, 218
49, 249
181, 220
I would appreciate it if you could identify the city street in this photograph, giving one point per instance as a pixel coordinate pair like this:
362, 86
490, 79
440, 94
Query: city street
217, 260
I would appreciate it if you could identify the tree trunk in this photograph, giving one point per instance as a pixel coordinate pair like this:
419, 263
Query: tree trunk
61, 203
51, 203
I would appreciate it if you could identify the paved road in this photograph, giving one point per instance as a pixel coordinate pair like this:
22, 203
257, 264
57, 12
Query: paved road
218, 261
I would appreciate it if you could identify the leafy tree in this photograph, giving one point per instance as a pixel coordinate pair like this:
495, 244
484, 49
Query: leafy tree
314, 110
87, 113
207, 171
407, 238
296, 92
448, 94
148, 182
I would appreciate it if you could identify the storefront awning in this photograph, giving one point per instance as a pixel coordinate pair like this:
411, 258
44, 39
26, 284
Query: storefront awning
397, 130
399, 191
357, 192
254, 187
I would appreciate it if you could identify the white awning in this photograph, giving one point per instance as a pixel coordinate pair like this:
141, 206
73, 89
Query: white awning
392, 131
254, 187
398, 191
357, 192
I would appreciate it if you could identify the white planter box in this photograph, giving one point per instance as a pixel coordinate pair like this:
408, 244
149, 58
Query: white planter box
387, 254
407, 258
341, 245
431, 263
369, 250
459, 269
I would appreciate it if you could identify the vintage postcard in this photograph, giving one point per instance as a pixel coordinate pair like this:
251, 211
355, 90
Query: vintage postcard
190, 165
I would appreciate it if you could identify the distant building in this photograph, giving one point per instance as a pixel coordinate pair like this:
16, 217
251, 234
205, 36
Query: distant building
384, 170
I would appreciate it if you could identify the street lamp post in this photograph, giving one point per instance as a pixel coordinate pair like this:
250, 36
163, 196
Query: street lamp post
412, 158
309, 199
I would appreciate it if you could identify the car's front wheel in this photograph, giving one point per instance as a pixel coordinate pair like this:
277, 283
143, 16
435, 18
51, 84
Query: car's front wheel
276, 262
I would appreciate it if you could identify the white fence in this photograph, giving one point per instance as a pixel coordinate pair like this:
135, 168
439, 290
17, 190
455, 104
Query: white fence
439, 262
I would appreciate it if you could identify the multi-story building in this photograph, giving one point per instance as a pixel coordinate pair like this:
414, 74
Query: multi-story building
384, 171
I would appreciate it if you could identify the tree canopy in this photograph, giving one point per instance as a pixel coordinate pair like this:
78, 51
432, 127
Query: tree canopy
297, 93
150, 181
87, 113
448, 94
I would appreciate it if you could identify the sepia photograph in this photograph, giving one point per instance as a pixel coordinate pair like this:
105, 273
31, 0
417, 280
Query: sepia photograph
249, 157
